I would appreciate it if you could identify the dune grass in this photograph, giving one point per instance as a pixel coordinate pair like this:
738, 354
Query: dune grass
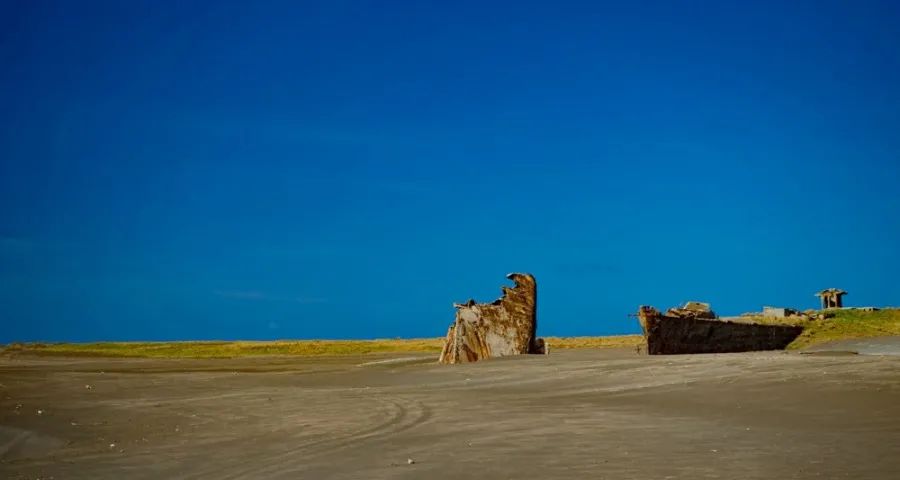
844, 324
615, 341
227, 349
839, 325
847, 324
233, 349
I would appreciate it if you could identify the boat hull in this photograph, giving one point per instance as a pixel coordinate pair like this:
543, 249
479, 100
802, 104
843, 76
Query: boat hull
668, 335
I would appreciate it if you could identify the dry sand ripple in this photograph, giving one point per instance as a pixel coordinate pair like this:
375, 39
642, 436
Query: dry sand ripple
590, 413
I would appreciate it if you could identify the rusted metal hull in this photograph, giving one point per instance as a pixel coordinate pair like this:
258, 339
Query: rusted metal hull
507, 326
670, 335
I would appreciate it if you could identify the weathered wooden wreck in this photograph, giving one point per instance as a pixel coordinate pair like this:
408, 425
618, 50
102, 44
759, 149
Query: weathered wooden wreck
504, 327
695, 328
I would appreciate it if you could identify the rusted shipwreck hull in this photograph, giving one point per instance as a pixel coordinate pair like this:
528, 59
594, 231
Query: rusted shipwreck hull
681, 331
507, 326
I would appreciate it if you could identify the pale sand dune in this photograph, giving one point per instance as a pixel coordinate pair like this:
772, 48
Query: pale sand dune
573, 414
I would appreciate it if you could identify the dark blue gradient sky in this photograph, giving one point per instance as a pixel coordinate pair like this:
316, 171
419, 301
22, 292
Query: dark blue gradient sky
223, 170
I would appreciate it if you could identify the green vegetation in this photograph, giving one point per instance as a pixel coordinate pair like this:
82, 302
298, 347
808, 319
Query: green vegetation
842, 324
280, 347
616, 341
835, 325
217, 349
847, 324
801, 321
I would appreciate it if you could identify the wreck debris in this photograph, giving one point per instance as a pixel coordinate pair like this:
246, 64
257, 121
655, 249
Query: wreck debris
692, 310
780, 312
504, 327
831, 298
693, 329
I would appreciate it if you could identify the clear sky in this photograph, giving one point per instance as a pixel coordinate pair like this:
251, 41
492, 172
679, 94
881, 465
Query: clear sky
256, 170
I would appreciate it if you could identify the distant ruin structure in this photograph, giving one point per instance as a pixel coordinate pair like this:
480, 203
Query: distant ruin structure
831, 298
779, 312
504, 327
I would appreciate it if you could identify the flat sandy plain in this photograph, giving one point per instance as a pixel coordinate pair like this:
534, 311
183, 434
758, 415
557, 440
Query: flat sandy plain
573, 414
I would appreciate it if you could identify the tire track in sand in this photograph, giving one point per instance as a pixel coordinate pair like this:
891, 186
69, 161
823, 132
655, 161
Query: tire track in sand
402, 414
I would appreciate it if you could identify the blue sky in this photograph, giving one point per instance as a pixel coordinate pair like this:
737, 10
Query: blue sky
254, 170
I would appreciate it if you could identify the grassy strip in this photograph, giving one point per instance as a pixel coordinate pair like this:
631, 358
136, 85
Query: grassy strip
840, 325
616, 341
217, 349
226, 349
848, 324
844, 324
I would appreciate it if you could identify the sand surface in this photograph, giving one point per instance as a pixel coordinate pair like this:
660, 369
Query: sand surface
864, 346
573, 414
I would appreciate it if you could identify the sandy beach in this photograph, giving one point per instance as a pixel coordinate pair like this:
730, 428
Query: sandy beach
573, 414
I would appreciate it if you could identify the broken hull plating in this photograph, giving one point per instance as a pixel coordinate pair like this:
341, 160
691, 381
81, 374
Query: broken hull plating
504, 327
667, 335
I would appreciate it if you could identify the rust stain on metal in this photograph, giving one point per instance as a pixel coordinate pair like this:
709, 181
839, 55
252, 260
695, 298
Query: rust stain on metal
504, 327
694, 328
